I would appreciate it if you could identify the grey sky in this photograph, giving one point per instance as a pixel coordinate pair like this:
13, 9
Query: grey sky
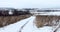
30, 3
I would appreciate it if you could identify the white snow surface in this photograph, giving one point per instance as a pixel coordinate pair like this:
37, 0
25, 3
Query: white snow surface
29, 27
10, 12
48, 13
51, 13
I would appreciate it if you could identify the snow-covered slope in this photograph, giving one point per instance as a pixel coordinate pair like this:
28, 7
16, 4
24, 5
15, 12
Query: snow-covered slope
16, 26
29, 27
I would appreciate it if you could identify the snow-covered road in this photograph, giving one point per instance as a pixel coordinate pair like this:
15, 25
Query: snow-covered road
29, 27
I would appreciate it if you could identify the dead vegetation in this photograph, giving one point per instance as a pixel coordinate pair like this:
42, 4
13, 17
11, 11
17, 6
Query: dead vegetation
6, 20
46, 20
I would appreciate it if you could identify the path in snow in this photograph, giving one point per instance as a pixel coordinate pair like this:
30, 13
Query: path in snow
29, 27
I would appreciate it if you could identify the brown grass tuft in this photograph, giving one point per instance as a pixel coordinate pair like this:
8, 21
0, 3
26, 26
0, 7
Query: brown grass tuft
42, 20
6, 20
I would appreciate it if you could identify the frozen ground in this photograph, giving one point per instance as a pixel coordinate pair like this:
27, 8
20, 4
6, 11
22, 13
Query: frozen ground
29, 27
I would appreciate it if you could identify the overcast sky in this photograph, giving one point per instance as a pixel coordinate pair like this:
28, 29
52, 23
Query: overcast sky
30, 3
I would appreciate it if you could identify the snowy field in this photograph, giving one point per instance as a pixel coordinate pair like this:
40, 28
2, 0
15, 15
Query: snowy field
46, 13
51, 13
29, 27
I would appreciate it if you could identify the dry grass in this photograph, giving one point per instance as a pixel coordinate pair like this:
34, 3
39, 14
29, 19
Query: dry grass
41, 20
6, 20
